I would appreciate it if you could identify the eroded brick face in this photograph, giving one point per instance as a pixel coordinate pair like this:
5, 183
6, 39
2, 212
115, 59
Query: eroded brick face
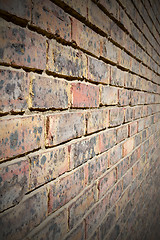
79, 120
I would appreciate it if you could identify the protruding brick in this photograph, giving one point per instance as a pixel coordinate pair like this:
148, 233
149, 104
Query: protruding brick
123, 97
106, 182
116, 116
109, 95
62, 127
122, 133
14, 90
22, 47
17, 8
48, 92
107, 139
49, 17
83, 150
66, 188
14, 183
84, 95
71, 63
85, 37
48, 165
97, 120
17, 223
20, 135
78, 208
128, 146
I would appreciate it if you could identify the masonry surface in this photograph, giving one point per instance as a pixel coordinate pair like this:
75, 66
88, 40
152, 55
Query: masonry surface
80, 120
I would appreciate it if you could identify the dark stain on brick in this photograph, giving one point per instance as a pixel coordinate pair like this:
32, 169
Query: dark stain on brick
19, 48
43, 160
10, 88
13, 139
1, 84
1, 53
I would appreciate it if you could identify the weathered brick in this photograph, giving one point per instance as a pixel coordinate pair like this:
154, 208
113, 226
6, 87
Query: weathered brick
122, 167
83, 150
122, 202
55, 227
98, 18
124, 58
123, 97
62, 127
141, 124
23, 48
78, 208
80, 6
77, 233
116, 116
130, 81
115, 193
49, 17
48, 92
106, 182
128, 146
97, 120
97, 166
117, 76
17, 222
122, 133
85, 37
108, 95
84, 95
138, 111
129, 114
132, 128
115, 154
107, 139
109, 51
66, 188
71, 63
14, 183
47, 165
135, 98
14, 90
20, 135
127, 178
111, 6
18, 8
98, 71
117, 34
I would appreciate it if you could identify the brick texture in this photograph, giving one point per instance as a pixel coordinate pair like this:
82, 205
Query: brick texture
79, 120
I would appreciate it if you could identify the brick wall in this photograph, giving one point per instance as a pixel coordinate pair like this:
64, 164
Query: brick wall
80, 119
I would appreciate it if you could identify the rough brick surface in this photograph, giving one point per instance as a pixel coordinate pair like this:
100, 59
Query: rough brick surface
79, 120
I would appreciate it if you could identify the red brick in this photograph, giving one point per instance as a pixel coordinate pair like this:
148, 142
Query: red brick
71, 63
18, 8
98, 18
47, 165
77, 233
117, 76
66, 188
14, 90
84, 95
20, 135
97, 120
78, 208
54, 227
107, 139
109, 95
109, 51
49, 17
14, 183
98, 71
122, 133
132, 128
83, 150
62, 127
122, 167
22, 47
111, 6
85, 37
106, 182
116, 116
80, 7
123, 97
129, 114
17, 222
48, 92
97, 166
115, 154
128, 146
